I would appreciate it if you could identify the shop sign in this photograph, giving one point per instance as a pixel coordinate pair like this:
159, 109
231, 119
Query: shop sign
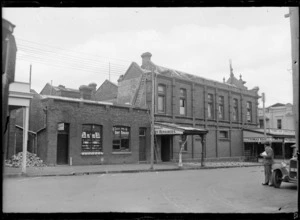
166, 131
261, 140
61, 126
289, 140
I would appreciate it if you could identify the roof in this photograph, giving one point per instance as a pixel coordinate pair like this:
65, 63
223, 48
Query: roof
274, 132
277, 105
179, 129
180, 74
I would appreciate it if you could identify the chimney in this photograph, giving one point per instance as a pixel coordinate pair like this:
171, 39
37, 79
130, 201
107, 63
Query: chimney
146, 59
85, 92
93, 92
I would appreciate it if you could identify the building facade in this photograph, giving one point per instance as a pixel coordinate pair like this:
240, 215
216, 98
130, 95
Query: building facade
224, 109
278, 116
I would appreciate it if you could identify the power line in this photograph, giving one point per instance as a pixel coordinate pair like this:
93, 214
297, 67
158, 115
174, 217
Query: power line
47, 45
28, 49
68, 67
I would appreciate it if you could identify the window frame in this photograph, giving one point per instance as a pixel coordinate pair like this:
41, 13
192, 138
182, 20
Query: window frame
221, 107
210, 106
120, 140
235, 112
182, 100
91, 139
225, 136
277, 123
162, 95
249, 111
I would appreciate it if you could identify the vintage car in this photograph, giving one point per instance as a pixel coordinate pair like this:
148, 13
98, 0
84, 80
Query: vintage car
285, 172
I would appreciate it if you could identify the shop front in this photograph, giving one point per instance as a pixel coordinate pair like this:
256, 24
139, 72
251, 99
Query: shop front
169, 137
280, 141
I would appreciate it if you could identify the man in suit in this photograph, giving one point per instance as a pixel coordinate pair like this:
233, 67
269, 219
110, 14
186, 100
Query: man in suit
268, 161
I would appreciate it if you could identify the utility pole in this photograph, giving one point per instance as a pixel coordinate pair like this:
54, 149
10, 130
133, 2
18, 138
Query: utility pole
30, 78
109, 70
264, 115
152, 121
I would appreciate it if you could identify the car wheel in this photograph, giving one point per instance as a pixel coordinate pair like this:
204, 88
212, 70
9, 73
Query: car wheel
276, 178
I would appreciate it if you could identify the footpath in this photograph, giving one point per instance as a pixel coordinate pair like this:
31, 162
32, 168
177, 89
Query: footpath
66, 170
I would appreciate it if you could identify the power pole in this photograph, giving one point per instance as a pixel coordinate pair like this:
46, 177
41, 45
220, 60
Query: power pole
264, 115
109, 70
152, 121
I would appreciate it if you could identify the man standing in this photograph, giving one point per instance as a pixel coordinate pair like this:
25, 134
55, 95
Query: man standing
268, 156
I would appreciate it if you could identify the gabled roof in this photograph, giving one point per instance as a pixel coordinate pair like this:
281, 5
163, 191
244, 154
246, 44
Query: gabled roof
277, 105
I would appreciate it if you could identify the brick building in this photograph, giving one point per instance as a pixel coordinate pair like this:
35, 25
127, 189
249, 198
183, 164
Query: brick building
182, 99
81, 131
108, 91
72, 127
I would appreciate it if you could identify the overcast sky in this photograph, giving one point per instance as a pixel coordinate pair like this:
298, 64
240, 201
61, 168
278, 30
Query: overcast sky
76, 46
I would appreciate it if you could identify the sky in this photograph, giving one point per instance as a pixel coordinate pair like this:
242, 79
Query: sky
77, 46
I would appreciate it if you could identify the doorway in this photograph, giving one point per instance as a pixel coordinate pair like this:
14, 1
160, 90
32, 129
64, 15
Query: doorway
166, 143
142, 144
62, 153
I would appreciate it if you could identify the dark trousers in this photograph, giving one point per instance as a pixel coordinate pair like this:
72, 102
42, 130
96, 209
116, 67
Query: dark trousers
268, 173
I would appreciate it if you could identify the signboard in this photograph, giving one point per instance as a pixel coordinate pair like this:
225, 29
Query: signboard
61, 126
262, 140
290, 140
166, 131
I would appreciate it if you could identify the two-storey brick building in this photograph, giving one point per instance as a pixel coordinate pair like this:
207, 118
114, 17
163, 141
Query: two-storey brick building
182, 99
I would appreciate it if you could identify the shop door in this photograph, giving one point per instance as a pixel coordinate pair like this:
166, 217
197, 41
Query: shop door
165, 148
62, 153
142, 144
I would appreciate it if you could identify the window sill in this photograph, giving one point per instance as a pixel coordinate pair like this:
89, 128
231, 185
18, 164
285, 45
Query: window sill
91, 153
129, 152
224, 139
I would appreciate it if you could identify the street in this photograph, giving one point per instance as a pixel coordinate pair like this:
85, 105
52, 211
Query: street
225, 190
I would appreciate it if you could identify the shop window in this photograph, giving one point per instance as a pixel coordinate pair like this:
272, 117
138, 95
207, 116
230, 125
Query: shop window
221, 107
161, 99
91, 139
249, 111
210, 106
121, 136
235, 111
182, 102
223, 134
279, 124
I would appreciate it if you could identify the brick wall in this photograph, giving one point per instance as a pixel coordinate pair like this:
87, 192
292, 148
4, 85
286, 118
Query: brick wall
78, 113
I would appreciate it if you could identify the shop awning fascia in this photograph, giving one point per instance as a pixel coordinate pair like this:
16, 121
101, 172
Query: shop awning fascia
271, 136
178, 129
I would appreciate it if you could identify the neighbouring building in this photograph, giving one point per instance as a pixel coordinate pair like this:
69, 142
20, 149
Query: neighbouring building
184, 100
9, 50
278, 116
280, 132
108, 91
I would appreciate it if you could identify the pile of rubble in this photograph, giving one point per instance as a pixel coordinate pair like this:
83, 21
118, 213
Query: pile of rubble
31, 160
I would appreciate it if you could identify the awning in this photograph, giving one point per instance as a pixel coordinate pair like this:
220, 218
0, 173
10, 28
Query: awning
272, 135
162, 128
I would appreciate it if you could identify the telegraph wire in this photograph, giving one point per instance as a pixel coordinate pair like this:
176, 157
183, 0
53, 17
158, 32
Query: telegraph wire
97, 71
70, 59
47, 45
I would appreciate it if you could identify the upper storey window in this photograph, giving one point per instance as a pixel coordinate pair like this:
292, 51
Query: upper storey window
210, 106
182, 102
249, 111
161, 99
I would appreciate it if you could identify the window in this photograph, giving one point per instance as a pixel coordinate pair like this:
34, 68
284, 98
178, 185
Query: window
249, 111
210, 106
142, 132
261, 123
182, 102
121, 137
161, 99
91, 137
223, 134
221, 107
235, 112
279, 124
